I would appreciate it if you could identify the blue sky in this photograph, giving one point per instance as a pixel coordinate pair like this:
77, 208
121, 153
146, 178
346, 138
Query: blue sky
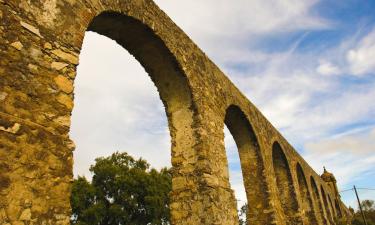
309, 66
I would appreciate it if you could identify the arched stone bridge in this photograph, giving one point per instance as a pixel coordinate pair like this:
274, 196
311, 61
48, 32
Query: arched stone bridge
40, 42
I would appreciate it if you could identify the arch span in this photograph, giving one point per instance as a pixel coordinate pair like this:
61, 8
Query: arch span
251, 164
284, 182
326, 205
318, 201
154, 56
170, 80
338, 208
333, 209
306, 200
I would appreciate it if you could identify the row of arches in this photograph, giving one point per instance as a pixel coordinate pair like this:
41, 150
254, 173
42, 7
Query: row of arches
299, 199
175, 94
188, 84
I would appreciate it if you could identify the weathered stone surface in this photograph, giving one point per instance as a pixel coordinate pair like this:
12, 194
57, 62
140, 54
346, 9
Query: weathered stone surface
47, 45
25, 215
63, 120
14, 129
33, 68
31, 28
66, 56
58, 65
65, 100
3, 95
17, 45
64, 84
37, 74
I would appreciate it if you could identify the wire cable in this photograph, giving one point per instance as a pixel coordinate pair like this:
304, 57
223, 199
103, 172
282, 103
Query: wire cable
346, 190
369, 189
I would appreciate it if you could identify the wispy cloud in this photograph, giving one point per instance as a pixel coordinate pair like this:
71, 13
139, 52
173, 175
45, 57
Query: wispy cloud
361, 58
327, 68
220, 27
348, 156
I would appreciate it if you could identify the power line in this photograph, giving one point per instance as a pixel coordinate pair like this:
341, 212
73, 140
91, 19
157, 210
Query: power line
352, 189
370, 189
346, 190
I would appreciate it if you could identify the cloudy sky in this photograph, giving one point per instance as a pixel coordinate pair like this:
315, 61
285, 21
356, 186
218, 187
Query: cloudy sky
309, 66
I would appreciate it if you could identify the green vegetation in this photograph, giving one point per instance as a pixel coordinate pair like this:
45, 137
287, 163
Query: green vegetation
368, 207
242, 215
123, 191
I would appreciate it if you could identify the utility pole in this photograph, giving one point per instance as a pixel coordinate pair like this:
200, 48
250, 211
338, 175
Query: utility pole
360, 207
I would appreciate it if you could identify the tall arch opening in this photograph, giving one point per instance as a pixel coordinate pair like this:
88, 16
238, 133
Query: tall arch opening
117, 108
307, 205
251, 165
334, 212
317, 200
284, 183
235, 175
171, 84
338, 208
326, 206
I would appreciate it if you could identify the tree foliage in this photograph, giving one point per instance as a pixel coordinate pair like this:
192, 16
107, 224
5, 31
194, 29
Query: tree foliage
122, 191
242, 213
368, 207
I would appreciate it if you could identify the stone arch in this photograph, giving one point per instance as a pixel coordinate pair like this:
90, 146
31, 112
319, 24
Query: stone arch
40, 44
338, 208
157, 60
284, 182
160, 64
317, 200
306, 200
333, 209
251, 164
326, 205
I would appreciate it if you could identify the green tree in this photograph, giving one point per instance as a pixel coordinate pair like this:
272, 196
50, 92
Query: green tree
242, 213
123, 191
368, 207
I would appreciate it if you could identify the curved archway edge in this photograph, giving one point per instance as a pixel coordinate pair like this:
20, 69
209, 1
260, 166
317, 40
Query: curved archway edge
252, 165
39, 52
305, 196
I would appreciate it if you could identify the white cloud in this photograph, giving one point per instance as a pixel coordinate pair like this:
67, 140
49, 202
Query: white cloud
219, 26
348, 156
117, 107
361, 58
327, 68
243, 16
352, 143
299, 100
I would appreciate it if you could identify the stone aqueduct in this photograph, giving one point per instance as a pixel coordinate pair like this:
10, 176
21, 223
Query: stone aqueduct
40, 44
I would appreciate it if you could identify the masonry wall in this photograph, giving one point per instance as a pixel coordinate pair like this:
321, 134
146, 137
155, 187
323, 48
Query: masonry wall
40, 42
